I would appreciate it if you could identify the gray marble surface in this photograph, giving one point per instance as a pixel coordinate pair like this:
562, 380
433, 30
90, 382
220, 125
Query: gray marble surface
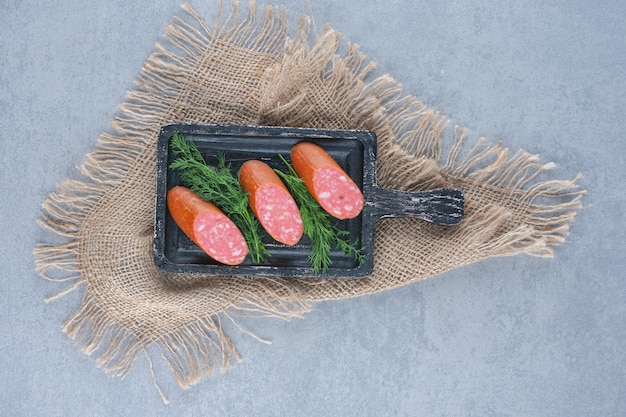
517, 336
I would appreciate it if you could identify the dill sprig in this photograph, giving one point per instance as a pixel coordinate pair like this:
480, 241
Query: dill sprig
318, 224
218, 185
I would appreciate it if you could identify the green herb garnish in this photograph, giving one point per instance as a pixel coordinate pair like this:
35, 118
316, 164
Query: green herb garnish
318, 224
219, 186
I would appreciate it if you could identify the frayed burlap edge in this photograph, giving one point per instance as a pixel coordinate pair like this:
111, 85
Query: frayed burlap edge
531, 217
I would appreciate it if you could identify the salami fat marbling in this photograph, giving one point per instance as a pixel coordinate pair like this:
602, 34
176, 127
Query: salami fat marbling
207, 226
327, 182
271, 202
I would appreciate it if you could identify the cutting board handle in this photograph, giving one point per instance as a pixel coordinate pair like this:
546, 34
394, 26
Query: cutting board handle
444, 206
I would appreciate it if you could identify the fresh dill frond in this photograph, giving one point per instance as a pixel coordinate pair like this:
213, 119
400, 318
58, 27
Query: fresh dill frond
318, 224
218, 185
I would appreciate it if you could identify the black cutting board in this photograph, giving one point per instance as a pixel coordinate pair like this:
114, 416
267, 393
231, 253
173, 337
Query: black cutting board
354, 151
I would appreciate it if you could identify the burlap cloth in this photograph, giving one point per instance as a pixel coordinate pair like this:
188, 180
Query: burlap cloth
247, 69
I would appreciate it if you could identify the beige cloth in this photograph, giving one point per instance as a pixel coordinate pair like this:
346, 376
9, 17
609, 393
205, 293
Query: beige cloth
247, 69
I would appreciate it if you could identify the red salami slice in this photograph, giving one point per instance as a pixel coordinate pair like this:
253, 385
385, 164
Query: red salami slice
271, 202
327, 182
220, 238
279, 214
207, 226
337, 193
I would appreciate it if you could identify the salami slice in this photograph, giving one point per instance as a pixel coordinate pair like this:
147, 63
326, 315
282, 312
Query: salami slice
337, 193
279, 214
220, 238
327, 182
271, 202
207, 226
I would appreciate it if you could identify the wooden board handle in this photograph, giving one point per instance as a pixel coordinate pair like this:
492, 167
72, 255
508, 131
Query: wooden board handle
444, 206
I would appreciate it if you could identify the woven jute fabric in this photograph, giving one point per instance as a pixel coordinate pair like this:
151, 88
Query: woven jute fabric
248, 68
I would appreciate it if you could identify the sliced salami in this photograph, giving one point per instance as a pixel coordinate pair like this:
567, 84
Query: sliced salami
279, 214
327, 182
271, 202
220, 238
207, 226
337, 193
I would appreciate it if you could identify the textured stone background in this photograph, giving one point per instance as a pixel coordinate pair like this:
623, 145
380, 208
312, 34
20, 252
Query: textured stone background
513, 336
